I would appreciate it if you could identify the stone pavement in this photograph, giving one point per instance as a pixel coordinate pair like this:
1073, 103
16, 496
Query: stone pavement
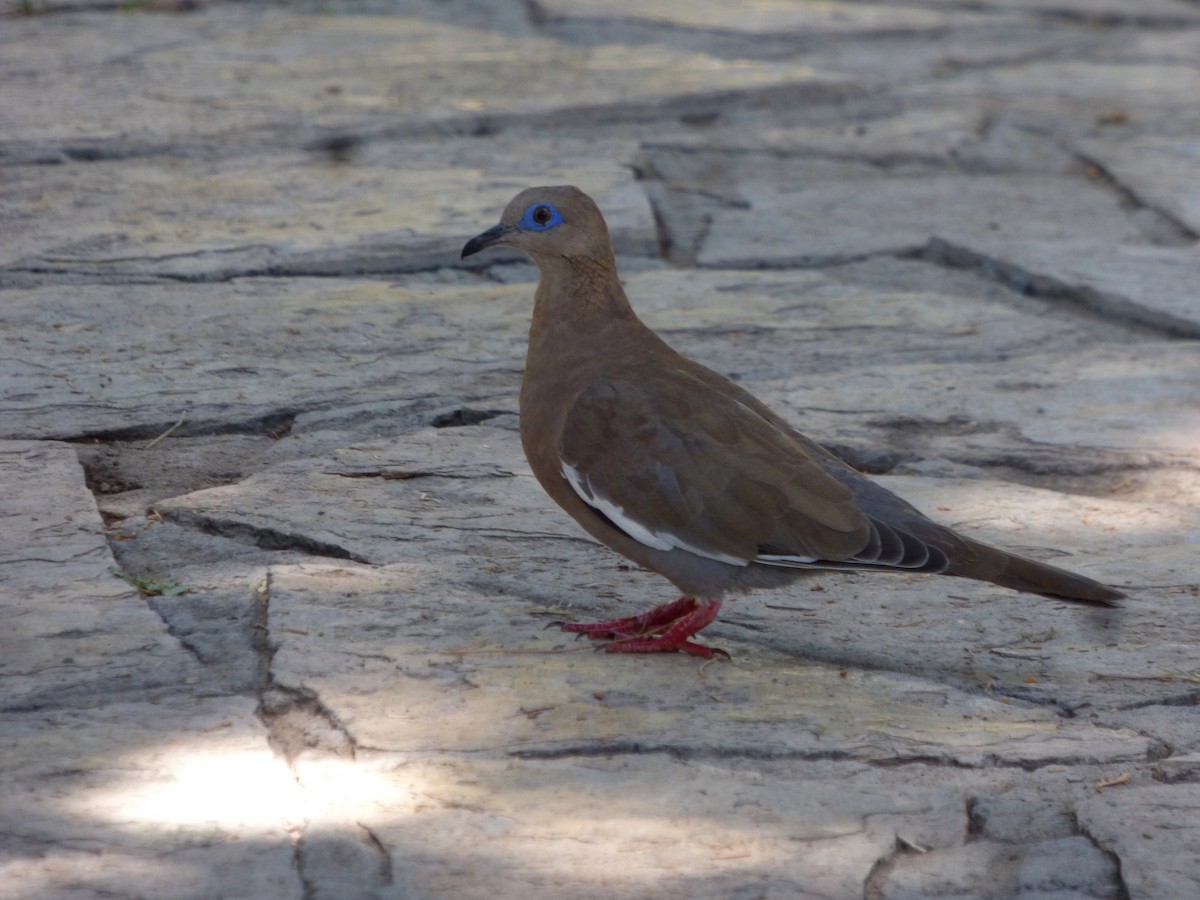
244, 367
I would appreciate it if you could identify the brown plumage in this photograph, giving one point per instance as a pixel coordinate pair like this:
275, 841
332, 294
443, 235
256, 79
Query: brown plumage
684, 472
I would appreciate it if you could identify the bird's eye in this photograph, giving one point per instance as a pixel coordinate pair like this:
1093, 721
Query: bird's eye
540, 217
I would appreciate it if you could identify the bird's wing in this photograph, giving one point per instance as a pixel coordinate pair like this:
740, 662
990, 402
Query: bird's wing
677, 464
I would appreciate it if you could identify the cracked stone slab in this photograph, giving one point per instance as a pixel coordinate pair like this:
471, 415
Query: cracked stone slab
158, 145
1154, 832
750, 210
179, 796
76, 634
545, 695
916, 141
478, 744
391, 207
1066, 867
1085, 10
1150, 286
268, 75
255, 354
1135, 404
1158, 170
465, 497
763, 17
251, 354
1075, 96
117, 761
654, 824
1131, 399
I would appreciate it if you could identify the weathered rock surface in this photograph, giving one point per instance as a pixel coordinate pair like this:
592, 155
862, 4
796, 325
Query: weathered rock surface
277, 578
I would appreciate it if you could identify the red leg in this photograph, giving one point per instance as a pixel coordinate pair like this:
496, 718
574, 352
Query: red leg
675, 637
650, 622
662, 629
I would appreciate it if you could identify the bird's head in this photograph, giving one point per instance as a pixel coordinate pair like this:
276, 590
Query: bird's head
548, 223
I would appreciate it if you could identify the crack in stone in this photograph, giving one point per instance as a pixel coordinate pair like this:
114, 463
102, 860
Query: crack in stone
1189, 777
275, 424
261, 536
174, 631
884, 161
386, 868
664, 237
296, 719
308, 890
1179, 231
1187, 698
465, 416
1113, 19
399, 474
350, 266
808, 261
813, 97
1118, 876
987, 761
297, 723
875, 884
1108, 306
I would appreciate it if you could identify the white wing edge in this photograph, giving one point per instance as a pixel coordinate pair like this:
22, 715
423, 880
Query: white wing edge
633, 528
787, 562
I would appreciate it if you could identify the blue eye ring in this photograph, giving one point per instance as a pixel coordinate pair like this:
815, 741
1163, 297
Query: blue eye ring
540, 217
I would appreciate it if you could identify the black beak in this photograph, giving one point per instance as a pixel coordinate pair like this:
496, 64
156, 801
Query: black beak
494, 235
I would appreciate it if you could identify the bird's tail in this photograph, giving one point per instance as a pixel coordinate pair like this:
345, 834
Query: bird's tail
1023, 574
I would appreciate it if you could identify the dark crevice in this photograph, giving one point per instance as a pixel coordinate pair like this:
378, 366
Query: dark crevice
1107, 306
460, 418
664, 240
975, 820
103, 476
680, 224
1071, 15
296, 720
96, 150
1187, 698
104, 271
1036, 696
1114, 19
353, 261
260, 639
413, 474
736, 44
156, 605
871, 460
875, 884
814, 261
261, 536
1121, 888
1191, 776
299, 722
638, 748
1051, 462
883, 161
535, 13
1178, 231
275, 424
308, 890
813, 98
386, 872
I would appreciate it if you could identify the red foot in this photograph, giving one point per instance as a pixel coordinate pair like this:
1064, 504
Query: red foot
650, 622
659, 630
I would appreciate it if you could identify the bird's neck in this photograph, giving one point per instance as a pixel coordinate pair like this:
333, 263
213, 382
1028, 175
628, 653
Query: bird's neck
577, 298
581, 319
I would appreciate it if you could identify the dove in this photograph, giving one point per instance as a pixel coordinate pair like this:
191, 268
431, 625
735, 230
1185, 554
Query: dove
686, 473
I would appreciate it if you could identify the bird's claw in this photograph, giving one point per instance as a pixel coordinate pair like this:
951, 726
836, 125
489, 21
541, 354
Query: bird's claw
663, 629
